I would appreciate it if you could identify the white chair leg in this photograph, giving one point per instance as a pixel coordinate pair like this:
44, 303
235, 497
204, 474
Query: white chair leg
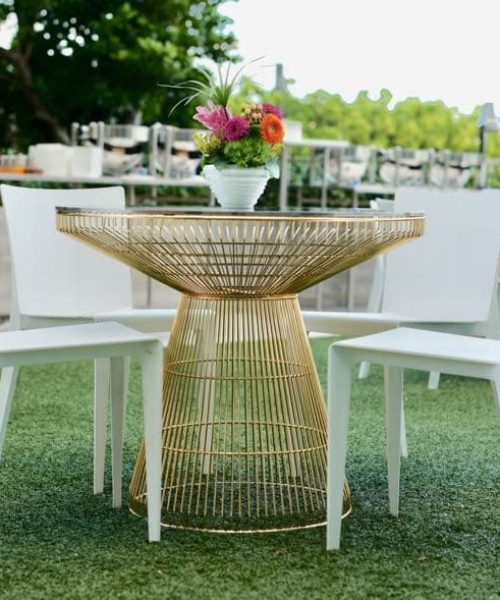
118, 394
374, 303
495, 386
404, 441
101, 399
339, 392
152, 368
126, 376
364, 370
319, 296
8, 381
393, 416
433, 383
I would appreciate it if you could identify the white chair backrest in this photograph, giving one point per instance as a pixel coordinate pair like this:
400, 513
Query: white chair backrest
382, 204
54, 275
448, 275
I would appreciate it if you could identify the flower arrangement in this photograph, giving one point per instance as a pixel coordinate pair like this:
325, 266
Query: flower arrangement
251, 138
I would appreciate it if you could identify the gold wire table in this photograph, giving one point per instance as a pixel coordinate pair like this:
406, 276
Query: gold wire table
244, 419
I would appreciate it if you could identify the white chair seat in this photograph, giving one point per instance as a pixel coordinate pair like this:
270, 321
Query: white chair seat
143, 319
428, 345
349, 323
395, 349
96, 341
16, 344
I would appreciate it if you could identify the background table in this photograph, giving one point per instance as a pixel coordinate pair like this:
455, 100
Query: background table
244, 423
130, 181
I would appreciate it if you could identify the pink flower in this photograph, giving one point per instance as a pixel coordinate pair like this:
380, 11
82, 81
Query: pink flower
271, 109
236, 128
214, 118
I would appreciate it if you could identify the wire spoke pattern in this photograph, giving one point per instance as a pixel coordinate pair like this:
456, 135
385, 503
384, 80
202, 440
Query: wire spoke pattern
244, 419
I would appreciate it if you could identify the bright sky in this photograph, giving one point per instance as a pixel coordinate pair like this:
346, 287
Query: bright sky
431, 49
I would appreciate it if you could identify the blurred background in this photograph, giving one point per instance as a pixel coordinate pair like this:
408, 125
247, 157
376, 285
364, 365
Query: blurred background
385, 74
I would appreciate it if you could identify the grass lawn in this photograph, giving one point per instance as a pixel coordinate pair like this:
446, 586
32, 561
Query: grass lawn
57, 540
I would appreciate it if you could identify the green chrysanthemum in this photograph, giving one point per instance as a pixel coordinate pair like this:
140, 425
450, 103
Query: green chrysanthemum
251, 152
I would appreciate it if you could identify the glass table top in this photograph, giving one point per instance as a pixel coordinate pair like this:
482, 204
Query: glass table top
216, 212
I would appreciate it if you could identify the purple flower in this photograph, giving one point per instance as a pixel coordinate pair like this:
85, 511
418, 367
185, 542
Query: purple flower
236, 128
214, 118
271, 109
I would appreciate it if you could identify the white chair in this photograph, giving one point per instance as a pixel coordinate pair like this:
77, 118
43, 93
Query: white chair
443, 281
374, 303
376, 291
398, 166
375, 298
57, 280
123, 146
396, 349
173, 152
116, 343
453, 169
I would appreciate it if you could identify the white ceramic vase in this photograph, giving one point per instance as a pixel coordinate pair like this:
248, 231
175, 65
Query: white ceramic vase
236, 188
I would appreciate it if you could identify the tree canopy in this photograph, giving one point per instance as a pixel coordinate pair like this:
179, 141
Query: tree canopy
410, 123
75, 60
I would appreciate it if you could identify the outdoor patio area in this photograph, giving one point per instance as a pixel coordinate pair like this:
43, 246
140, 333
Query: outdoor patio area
249, 300
64, 542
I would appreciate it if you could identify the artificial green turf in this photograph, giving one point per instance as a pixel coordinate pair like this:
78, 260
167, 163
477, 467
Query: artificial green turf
57, 540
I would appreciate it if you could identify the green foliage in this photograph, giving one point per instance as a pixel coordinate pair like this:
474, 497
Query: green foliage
74, 60
225, 85
218, 87
251, 152
410, 123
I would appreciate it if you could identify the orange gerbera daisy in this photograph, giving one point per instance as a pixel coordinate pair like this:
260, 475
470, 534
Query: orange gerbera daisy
271, 129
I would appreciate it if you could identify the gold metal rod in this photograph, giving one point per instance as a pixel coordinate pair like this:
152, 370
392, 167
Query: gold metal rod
244, 419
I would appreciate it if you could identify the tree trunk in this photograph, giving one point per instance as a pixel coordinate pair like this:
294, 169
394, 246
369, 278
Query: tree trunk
59, 134
22, 79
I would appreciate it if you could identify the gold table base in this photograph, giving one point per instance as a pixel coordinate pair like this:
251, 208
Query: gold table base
244, 424
244, 420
